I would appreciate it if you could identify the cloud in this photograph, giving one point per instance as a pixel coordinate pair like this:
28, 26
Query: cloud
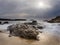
28, 9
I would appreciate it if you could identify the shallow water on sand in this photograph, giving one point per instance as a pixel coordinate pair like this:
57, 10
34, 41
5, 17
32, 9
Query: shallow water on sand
45, 39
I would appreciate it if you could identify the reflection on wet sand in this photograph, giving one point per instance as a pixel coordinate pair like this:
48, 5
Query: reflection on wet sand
45, 39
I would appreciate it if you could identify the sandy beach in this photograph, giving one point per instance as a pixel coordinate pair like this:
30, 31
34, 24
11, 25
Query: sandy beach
45, 39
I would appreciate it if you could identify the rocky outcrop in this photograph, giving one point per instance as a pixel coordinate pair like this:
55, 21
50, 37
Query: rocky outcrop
55, 20
24, 31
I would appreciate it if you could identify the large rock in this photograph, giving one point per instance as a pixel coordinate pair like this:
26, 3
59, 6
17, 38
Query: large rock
55, 20
24, 31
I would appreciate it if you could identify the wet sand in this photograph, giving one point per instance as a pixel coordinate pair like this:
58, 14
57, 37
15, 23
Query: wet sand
44, 39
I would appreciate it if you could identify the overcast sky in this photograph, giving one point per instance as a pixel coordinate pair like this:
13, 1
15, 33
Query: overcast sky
38, 9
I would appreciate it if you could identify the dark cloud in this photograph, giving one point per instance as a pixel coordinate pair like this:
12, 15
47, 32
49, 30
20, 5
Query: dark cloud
29, 9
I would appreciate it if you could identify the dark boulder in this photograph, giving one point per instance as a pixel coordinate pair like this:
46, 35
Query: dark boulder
6, 22
0, 22
40, 27
24, 31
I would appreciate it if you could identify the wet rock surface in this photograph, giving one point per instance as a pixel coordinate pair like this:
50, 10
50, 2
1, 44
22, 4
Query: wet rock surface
24, 31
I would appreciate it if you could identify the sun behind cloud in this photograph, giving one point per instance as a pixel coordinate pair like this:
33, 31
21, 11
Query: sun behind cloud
43, 5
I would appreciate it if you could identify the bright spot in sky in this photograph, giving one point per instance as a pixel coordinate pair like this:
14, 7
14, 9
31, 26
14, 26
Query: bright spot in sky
43, 5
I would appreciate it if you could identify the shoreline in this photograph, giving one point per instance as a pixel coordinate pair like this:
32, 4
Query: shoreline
45, 39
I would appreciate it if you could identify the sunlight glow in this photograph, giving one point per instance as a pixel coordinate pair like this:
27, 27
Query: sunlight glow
43, 5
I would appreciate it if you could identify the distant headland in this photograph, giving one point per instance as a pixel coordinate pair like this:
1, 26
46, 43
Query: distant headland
2, 19
55, 20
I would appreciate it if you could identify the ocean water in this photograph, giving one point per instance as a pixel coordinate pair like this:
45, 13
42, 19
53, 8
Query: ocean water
53, 28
